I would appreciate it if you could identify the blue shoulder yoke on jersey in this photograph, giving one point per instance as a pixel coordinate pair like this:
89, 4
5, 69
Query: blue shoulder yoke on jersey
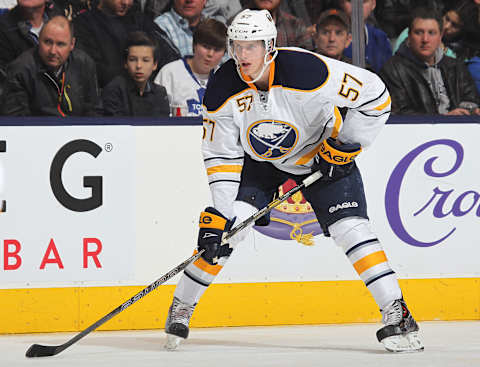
298, 70
224, 84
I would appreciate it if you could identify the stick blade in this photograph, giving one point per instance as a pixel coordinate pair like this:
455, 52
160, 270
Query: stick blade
37, 350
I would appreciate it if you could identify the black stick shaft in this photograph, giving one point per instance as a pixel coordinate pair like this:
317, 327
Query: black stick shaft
41, 351
134, 299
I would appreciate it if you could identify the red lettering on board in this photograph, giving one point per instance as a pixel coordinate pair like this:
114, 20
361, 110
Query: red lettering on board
7, 255
92, 254
56, 257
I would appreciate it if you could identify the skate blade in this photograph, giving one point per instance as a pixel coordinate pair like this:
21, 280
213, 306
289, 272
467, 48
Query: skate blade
173, 342
408, 343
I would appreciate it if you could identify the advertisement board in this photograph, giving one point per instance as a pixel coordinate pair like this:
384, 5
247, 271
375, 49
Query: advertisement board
91, 214
121, 203
68, 200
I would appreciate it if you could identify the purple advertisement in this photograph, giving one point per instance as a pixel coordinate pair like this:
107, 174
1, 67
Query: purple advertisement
292, 220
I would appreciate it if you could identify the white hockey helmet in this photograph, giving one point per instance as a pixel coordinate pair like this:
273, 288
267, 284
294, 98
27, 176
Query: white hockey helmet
253, 25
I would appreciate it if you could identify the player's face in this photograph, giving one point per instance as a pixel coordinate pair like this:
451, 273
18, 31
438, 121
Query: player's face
368, 7
332, 38
189, 8
250, 55
116, 7
206, 57
140, 63
55, 44
424, 38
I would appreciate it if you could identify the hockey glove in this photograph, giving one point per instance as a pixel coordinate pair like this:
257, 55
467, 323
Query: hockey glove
335, 160
213, 225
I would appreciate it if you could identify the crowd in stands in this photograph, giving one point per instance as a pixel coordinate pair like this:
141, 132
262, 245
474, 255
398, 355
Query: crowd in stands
155, 57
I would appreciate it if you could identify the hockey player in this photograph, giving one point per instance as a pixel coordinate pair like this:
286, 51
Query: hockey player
270, 114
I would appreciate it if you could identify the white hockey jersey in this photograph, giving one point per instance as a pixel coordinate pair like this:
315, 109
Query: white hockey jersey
185, 91
286, 125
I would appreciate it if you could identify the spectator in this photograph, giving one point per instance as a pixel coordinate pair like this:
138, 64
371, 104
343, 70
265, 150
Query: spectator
471, 52
155, 8
291, 31
422, 80
180, 22
377, 46
314, 7
333, 34
393, 16
186, 80
460, 19
20, 27
53, 78
221, 10
456, 21
103, 31
132, 93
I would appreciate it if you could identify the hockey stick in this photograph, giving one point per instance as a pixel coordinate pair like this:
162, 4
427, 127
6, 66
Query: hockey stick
38, 350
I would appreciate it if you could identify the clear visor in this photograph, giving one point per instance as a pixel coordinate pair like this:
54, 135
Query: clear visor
239, 49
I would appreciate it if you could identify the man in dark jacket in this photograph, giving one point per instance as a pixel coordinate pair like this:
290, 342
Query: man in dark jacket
103, 31
53, 78
19, 28
422, 80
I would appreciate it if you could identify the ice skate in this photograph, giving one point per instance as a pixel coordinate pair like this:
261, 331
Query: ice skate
176, 326
400, 333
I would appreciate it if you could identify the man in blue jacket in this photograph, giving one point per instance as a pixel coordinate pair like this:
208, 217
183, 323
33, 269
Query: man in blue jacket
377, 45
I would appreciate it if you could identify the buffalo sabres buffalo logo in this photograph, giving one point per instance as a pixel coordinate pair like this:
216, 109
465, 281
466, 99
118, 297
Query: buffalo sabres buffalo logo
270, 139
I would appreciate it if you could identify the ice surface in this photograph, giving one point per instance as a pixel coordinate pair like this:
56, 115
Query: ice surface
447, 344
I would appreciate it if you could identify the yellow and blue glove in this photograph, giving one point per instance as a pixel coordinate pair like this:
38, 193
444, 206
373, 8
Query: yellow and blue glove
213, 226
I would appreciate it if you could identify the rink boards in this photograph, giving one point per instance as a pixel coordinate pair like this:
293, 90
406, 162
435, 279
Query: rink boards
94, 213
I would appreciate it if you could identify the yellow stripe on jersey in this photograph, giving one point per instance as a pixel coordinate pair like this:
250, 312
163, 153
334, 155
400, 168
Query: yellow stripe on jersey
248, 80
226, 168
206, 267
309, 156
338, 122
383, 105
369, 261
336, 128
